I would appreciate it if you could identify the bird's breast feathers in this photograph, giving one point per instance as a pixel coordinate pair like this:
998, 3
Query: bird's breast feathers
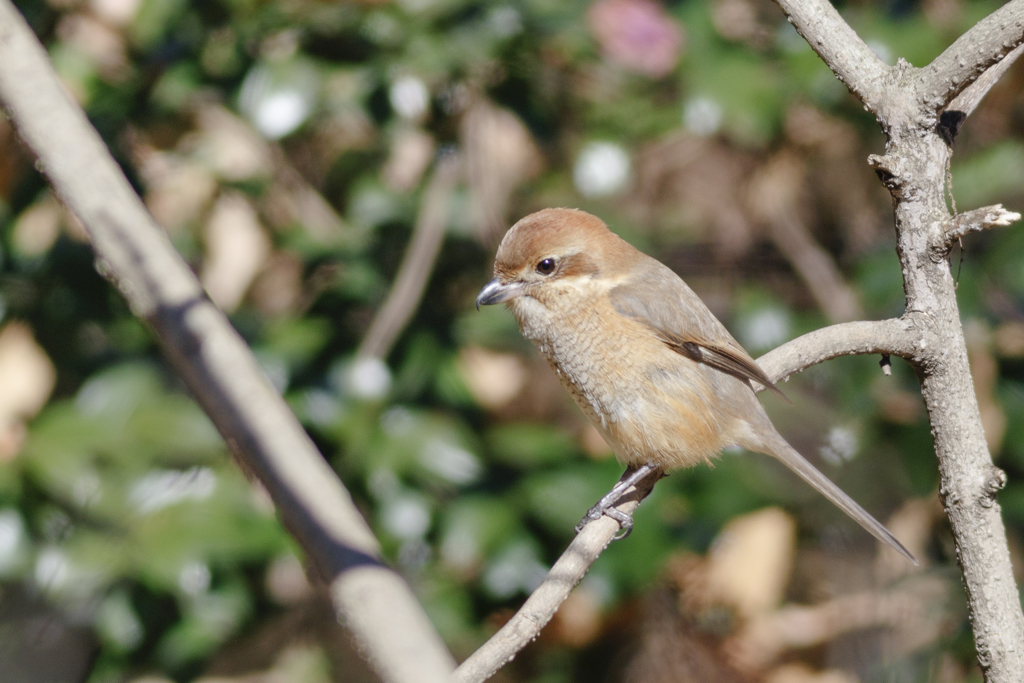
602, 358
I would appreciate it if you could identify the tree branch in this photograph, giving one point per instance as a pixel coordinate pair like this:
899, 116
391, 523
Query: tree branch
839, 47
914, 170
217, 366
895, 337
964, 104
542, 604
906, 611
975, 221
775, 197
418, 262
970, 97
963, 62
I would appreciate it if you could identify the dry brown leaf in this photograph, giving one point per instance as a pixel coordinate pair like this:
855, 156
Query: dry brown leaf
577, 623
411, 152
97, 42
286, 581
735, 19
801, 673
912, 524
847, 192
493, 378
672, 650
292, 200
691, 183
278, 289
1009, 339
26, 379
117, 13
897, 405
944, 15
37, 227
500, 155
949, 670
228, 146
236, 249
776, 196
178, 191
751, 560
294, 663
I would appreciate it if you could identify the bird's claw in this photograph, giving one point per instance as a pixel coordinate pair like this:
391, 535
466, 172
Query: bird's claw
593, 514
606, 506
624, 519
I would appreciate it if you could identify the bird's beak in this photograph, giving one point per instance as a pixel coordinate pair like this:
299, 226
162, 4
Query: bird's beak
497, 292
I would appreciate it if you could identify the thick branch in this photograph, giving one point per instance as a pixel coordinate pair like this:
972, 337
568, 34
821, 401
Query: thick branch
839, 47
417, 264
986, 217
895, 337
914, 169
542, 604
215, 363
963, 62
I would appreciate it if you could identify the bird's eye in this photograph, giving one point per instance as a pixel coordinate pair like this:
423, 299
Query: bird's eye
546, 266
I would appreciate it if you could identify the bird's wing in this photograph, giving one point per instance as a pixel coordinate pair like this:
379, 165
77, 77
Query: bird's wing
658, 298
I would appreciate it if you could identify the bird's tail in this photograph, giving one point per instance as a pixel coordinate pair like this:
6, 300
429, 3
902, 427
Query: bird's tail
796, 462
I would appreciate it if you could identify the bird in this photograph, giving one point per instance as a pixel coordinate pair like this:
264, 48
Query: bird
650, 366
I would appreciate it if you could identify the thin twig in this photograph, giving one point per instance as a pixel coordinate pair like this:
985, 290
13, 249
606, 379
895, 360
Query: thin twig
418, 262
775, 196
963, 62
986, 217
839, 47
218, 367
542, 604
816, 268
968, 100
892, 337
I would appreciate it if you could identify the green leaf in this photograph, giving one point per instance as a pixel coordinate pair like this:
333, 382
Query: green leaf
530, 445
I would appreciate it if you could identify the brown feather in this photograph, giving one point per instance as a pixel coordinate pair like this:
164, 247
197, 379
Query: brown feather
724, 359
685, 324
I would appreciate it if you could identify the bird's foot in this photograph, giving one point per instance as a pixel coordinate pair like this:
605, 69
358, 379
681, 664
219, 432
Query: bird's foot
606, 506
624, 519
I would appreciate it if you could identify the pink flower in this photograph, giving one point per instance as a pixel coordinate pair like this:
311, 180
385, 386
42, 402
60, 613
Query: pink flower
636, 34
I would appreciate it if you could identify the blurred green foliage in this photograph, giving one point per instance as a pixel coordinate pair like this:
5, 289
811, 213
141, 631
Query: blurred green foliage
120, 506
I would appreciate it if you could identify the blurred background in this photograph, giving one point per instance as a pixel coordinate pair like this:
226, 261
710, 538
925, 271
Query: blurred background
294, 151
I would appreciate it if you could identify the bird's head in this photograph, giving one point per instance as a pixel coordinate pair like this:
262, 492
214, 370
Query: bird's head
551, 247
